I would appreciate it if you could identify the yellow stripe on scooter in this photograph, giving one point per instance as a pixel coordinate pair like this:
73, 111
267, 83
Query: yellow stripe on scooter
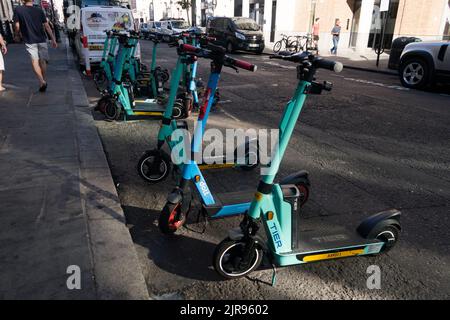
146, 113
333, 255
216, 166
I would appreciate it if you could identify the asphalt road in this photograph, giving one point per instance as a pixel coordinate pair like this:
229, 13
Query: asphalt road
369, 145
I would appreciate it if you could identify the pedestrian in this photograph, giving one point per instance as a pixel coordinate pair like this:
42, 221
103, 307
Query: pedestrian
3, 51
336, 32
31, 25
315, 32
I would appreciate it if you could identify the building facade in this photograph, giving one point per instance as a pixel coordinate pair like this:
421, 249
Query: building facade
361, 20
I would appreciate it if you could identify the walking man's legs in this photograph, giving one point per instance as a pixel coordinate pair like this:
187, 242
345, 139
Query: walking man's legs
38, 71
39, 57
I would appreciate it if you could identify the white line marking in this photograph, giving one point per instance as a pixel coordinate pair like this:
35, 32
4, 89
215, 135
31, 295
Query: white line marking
231, 116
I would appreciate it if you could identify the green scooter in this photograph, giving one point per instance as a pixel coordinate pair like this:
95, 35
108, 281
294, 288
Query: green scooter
276, 206
120, 101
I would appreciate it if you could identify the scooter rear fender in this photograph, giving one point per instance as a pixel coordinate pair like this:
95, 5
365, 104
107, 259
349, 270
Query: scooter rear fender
373, 224
296, 178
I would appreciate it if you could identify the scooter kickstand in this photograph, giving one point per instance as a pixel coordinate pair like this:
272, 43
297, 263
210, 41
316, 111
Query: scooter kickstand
274, 275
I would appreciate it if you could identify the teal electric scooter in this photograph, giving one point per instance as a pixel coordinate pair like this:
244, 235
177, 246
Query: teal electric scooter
276, 207
120, 101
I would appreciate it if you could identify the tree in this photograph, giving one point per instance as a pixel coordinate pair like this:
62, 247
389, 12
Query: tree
185, 5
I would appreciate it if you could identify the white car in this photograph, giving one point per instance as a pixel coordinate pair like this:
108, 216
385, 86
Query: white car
425, 63
90, 37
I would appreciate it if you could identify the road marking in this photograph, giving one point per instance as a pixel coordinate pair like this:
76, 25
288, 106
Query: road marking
378, 84
231, 116
276, 64
224, 101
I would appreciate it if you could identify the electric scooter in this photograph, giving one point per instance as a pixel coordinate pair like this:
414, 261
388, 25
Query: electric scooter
276, 206
120, 100
155, 165
221, 205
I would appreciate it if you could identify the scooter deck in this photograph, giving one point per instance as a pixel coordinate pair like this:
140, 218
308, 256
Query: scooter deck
243, 198
148, 107
326, 238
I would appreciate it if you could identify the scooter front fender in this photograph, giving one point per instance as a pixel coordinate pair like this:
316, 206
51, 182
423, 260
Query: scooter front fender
175, 196
237, 234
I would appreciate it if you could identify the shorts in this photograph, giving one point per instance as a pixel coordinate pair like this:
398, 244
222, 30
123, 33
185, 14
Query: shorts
2, 64
38, 51
316, 38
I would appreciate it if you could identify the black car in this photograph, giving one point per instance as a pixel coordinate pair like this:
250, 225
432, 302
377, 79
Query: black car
238, 33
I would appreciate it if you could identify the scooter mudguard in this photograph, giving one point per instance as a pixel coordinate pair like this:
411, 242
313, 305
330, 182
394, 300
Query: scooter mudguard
371, 225
296, 178
175, 196
237, 234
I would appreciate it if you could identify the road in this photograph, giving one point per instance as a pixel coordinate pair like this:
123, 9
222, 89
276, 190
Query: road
369, 145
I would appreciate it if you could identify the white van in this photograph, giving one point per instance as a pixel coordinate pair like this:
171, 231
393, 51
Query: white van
94, 20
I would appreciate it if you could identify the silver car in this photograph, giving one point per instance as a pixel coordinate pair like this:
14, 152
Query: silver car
424, 63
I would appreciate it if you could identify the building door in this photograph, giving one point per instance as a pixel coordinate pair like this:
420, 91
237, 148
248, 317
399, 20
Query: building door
257, 12
355, 23
274, 20
380, 21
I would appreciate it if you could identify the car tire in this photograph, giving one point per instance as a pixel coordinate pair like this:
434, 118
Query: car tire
230, 47
414, 73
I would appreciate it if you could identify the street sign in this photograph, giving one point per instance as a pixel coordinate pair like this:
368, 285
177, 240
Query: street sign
384, 6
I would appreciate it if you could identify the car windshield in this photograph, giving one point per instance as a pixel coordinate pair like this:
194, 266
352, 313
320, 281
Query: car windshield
246, 24
180, 24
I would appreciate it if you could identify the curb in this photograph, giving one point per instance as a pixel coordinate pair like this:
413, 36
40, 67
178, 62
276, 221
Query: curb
115, 264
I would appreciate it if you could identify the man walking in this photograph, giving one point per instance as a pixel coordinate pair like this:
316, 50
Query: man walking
29, 23
336, 32
4, 50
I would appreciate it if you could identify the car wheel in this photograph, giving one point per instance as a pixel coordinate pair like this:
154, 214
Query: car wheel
414, 73
230, 47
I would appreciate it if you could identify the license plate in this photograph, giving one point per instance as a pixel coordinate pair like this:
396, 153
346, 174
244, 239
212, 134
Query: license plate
95, 47
253, 45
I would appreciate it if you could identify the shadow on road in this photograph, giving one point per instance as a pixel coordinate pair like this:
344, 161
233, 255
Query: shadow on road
177, 254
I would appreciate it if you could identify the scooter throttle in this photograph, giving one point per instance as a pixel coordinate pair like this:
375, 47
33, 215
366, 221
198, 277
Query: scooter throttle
329, 65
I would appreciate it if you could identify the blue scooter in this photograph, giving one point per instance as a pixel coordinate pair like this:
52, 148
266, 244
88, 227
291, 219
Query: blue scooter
221, 205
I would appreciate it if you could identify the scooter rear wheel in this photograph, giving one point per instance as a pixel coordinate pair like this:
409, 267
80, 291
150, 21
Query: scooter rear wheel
228, 256
389, 235
154, 166
304, 193
171, 218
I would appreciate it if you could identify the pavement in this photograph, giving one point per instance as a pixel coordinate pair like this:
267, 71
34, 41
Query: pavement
369, 145
59, 205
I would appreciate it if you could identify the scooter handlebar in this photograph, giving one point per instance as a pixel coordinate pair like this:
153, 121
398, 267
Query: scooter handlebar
189, 48
242, 64
329, 65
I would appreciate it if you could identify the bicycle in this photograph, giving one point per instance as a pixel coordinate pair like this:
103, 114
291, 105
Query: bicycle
288, 45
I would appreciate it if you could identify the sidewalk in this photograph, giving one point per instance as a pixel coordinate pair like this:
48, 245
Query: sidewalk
59, 206
357, 61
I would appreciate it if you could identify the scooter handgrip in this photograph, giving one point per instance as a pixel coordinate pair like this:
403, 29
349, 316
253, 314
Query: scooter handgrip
189, 48
330, 65
244, 65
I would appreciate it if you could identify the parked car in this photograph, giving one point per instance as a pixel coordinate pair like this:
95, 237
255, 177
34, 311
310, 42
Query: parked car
238, 33
144, 30
424, 63
94, 20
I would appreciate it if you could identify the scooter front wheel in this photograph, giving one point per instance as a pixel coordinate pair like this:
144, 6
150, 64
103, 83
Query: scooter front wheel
112, 109
154, 166
178, 111
228, 259
171, 218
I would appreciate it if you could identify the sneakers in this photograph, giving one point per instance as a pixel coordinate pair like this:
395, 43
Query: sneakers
43, 87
